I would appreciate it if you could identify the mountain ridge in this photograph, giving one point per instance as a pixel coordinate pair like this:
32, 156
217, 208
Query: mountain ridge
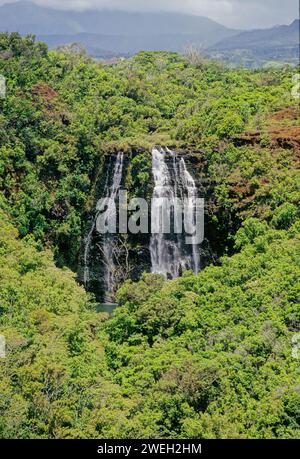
253, 37
16, 17
112, 33
259, 46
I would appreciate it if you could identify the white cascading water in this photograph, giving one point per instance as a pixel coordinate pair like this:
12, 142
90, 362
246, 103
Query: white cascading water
170, 255
88, 243
191, 194
109, 240
111, 189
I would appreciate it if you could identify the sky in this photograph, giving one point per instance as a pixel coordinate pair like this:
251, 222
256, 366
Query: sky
247, 14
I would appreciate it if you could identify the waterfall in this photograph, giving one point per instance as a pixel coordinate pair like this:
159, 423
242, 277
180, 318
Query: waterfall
170, 255
107, 241
173, 212
88, 242
191, 193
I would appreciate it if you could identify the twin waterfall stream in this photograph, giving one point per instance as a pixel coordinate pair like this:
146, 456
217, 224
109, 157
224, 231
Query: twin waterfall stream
169, 253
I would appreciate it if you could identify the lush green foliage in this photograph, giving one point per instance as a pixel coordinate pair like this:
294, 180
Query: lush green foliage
210, 356
52, 376
207, 356
63, 112
201, 356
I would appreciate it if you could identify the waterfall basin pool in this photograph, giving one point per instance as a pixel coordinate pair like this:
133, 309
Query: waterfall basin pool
106, 307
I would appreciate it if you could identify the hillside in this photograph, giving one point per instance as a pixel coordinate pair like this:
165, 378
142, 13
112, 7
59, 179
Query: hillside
108, 34
280, 43
208, 355
101, 46
27, 18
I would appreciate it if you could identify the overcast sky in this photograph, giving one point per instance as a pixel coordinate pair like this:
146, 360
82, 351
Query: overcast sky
233, 13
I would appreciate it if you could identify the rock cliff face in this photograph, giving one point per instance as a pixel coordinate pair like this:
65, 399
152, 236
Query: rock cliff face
107, 260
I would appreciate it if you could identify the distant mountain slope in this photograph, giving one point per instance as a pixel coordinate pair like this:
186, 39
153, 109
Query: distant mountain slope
280, 43
115, 45
26, 17
108, 33
275, 36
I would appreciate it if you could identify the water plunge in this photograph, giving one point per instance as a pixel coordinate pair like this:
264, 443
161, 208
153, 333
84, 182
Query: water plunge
170, 255
108, 241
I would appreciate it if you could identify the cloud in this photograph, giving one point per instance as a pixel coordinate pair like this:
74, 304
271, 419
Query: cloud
233, 13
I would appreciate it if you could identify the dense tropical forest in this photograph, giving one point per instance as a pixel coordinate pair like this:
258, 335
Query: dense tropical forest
210, 355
